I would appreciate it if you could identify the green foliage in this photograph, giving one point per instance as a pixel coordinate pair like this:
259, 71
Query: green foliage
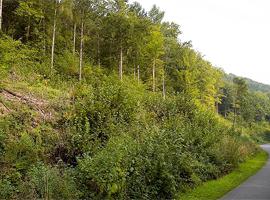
216, 189
161, 161
105, 138
6, 189
252, 85
15, 58
48, 182
100, 113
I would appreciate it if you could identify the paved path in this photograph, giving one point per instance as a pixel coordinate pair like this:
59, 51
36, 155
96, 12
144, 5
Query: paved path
256, 187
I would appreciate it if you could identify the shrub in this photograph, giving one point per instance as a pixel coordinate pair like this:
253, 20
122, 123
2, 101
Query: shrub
49, 182
6, 189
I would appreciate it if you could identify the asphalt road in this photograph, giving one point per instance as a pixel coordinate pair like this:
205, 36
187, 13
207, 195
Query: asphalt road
256, 187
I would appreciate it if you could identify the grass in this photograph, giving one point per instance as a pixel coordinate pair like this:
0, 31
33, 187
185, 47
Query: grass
215, 189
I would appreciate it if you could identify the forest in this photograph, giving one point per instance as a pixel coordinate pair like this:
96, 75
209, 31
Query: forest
101, 99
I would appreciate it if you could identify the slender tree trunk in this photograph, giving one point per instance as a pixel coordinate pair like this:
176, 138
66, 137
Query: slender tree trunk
138, 73
234, 118
44, 37
134, 73
1, 6
121, 64
53, 38
43, 29
110, 52
154, 75
74, 38
81, 51
99, 64
163, 86
28, 30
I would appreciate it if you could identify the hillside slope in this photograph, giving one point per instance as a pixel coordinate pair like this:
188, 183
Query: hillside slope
253, 85
100, 99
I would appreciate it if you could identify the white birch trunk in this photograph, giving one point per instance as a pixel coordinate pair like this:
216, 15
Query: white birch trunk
1, 6
28, 29
81, 51
74, 38
53, 38
98, 46
163, 86
134, 73
154, 75
138, 73
44, 40
121, 64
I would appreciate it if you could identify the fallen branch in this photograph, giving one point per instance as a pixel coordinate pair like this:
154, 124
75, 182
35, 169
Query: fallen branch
5, 106
26, 100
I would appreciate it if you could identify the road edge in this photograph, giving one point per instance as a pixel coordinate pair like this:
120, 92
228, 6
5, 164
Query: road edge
215, 189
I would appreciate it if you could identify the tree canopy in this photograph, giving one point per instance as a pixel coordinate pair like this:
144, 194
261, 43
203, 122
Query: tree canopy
100, 99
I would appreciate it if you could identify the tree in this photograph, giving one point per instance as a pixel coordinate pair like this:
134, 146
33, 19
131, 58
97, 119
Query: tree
170, 33
163, 85
123, 27
240, 92
81, 7
140, 29
81, 45
155, 50
157, 41
54, 33
156, 15
31, 14
1, 5
225, 105
137, 8
117, 31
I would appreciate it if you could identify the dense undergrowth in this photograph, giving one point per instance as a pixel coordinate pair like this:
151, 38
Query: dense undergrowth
116, 140
216, 189
105, 138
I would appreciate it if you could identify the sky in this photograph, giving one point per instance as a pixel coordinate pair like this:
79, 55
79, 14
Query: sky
232, 34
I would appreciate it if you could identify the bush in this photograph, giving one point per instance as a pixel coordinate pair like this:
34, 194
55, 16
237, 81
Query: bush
115, 140
16, 57
162, 161
6, 189
49, 183
99, 114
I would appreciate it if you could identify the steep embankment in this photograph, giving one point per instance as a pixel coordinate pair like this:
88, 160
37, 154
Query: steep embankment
41, 100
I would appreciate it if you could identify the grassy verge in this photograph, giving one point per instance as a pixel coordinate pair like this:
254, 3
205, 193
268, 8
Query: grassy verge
215, 189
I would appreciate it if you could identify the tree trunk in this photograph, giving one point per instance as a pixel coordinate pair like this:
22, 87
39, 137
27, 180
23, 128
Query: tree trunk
138, 73
1, 3
234, 118
134, 73
163, 86
121, 64
28, 30
44, 37
53, 38
98, 46
154, 75
43, 29
74, 38
81, 51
